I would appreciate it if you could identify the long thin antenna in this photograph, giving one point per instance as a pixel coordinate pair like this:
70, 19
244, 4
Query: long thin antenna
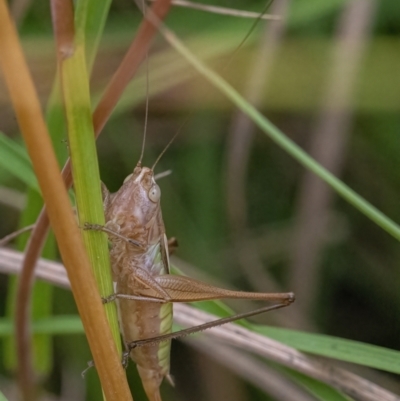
146, 117
171, 140
249, 32
224, 69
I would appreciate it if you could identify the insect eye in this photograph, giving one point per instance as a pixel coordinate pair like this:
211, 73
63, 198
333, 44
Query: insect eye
155, 193
127, 178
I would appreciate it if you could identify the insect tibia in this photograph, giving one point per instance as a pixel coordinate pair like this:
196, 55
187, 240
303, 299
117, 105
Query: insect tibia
208, 325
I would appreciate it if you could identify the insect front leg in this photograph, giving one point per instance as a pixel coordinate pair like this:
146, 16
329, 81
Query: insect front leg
110, 231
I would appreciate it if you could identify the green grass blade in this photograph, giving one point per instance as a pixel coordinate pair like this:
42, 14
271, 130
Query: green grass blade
53, 325
333, 347
320, 390
84, 164
319, 344
96, 15
2, 397
14, 159
283, 141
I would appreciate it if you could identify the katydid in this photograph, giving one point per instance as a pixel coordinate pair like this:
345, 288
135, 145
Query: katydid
145, 290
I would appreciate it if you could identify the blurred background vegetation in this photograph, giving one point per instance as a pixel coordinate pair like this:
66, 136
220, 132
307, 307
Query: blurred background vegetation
244, 212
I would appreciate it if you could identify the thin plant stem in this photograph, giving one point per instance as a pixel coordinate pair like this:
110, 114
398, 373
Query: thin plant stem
279, 137
34, 130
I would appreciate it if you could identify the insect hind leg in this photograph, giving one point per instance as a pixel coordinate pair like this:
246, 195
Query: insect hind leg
208, 325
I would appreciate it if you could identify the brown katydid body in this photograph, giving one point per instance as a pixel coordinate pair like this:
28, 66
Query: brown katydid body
144, 288
134, 212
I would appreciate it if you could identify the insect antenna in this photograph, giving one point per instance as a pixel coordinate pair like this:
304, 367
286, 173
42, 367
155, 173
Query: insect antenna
249, 32
227, 65
172, 140
146, 115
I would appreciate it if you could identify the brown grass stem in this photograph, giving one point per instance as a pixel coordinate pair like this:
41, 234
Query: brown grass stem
34, 130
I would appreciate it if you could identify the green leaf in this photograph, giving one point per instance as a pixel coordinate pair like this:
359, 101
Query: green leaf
53, 325
75, 83
13, 158
277, 136
2, 397
318, 344
320, 390
334, 347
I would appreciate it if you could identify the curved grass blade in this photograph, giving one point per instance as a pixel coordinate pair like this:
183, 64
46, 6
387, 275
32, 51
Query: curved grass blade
275, 134
320, 390
357, 352
14, 159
